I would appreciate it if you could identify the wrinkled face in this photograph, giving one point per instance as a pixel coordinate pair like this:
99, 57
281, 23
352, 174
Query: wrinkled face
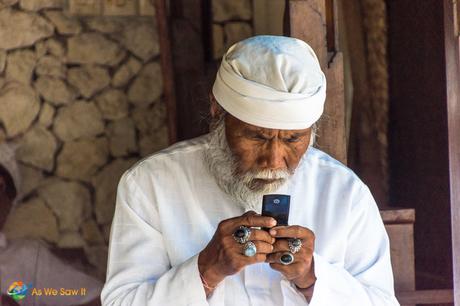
249, 161
259, 149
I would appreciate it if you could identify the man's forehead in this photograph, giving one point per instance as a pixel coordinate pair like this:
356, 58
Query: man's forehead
250, 128
261, 130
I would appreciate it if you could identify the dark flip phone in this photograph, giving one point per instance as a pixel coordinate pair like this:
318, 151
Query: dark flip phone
276, 206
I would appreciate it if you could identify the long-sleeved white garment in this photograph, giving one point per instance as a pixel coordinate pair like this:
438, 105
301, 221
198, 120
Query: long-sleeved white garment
169, 205
31, 262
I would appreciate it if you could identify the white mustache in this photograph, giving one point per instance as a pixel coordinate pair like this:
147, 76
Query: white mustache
268, 174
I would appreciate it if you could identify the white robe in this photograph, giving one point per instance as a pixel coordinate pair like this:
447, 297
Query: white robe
169, 205
31, 262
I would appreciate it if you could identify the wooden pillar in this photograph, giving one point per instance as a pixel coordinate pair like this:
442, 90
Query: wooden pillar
188, 55
399, 224
452, 43
167, 68
366, 49
307, 21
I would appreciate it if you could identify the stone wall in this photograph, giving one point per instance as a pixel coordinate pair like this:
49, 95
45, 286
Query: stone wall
231, 22
81, 97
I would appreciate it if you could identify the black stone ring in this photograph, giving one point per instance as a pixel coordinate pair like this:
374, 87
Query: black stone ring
295, 244
242, 233
287, 258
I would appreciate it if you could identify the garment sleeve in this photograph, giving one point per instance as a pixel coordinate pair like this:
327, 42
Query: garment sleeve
365, 278
139, 271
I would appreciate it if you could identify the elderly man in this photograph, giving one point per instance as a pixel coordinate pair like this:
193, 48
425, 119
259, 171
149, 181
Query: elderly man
30, 261
187, 228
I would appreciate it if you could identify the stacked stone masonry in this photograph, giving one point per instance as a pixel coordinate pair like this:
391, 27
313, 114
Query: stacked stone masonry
232, 22
81, 99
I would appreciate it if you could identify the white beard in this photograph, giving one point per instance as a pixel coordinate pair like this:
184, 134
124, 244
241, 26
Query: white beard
243, 188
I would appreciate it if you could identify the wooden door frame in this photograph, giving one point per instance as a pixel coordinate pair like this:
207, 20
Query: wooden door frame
452, 55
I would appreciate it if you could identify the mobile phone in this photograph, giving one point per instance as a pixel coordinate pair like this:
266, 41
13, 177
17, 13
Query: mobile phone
276, 206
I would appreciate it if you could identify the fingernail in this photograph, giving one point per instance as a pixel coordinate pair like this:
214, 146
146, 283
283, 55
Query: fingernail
273, 222
272, 232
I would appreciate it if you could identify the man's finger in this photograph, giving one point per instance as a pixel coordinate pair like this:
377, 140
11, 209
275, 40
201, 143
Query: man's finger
237, 218
275, 257
229, 224
255, 220
281, 245
290, 271
259, 257
257, 234
294, 231
262, 247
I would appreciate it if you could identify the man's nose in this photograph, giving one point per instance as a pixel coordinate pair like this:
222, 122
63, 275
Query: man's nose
274, 156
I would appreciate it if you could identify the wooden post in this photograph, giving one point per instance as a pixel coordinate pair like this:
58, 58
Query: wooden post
399, 224
307, 20
308, 23
167, 68
451, 47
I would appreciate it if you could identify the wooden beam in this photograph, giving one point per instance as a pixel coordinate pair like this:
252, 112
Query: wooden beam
395, 215
193, 70
167, 68
453, 119
425, 297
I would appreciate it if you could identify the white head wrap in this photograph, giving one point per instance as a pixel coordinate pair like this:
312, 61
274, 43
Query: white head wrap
273, 82
8, 161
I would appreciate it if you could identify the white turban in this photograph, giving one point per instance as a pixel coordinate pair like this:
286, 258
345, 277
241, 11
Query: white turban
273, 82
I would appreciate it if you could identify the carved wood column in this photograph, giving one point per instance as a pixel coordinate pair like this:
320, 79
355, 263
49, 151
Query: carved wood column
307, 21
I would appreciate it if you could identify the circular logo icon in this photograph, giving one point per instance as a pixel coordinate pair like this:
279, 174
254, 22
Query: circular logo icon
276, 201
17, 290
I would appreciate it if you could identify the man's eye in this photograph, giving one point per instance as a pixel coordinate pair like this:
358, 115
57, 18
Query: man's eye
259, 137
292, 139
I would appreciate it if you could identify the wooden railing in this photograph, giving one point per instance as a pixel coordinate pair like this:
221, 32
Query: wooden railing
425, 297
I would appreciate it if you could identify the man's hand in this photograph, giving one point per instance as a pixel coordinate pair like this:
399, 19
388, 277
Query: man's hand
301, 271
223, 256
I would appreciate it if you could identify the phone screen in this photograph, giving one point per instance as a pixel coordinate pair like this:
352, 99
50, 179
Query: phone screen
276, 206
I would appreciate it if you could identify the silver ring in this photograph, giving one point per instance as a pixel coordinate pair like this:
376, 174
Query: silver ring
286, 258
295, 244
249, 249
242, 234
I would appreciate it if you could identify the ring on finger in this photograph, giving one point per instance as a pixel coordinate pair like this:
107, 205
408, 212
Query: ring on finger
249, 249
295, 244
241, 234
287, 258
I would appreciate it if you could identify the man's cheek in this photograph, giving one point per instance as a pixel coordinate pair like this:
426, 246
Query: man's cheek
246, 159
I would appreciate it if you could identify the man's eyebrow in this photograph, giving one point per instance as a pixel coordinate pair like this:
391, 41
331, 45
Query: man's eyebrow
256, 133
298, 134
252, 132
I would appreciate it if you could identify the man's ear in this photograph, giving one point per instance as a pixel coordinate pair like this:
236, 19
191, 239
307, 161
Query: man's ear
213, 107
